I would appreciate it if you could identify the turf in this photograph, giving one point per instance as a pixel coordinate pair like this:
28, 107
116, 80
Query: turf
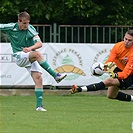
66, 114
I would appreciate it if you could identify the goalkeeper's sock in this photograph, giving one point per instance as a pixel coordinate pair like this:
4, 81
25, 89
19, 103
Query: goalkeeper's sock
92, 87
124, 97
39, 96
96, 87
47, 67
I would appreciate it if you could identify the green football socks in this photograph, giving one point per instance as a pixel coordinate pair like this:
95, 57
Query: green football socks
47, 67
39, 96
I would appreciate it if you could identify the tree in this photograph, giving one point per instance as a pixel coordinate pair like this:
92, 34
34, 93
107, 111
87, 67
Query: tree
100, 12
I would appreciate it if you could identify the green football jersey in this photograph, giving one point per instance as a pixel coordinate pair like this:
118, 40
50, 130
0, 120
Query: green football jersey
19, 38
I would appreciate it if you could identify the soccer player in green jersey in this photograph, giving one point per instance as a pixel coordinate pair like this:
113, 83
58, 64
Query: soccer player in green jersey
24, 42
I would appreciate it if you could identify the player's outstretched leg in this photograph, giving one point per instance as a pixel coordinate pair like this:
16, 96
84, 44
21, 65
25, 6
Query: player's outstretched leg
91, 87
57, 76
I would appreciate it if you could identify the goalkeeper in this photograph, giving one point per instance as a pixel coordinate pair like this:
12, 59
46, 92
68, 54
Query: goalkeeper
120, 67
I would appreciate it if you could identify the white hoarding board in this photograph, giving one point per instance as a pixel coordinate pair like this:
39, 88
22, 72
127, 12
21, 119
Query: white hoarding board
74, 59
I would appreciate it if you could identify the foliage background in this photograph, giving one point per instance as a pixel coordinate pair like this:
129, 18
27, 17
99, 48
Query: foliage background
91, 12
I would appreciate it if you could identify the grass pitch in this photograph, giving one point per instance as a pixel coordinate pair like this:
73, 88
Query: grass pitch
76, 113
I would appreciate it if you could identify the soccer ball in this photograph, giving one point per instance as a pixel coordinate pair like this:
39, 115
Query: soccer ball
97, 69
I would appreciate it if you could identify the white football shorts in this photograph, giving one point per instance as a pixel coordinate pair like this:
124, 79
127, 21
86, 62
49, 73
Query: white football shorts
22, 60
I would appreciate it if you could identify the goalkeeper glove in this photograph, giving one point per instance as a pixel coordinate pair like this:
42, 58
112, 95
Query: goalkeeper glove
109, 67
113, 75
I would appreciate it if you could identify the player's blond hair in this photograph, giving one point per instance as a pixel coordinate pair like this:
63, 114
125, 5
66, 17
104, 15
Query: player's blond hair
23, 15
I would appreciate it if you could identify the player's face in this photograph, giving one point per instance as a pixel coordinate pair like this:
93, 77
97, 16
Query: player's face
23, 24
128, 40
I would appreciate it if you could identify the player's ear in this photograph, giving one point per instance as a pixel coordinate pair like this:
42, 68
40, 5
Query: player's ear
19, 20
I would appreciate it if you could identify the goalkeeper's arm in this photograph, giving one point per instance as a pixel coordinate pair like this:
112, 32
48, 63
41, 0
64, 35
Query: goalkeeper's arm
109, 68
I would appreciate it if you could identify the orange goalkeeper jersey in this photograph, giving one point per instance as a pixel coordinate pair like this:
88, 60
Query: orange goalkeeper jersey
123, 58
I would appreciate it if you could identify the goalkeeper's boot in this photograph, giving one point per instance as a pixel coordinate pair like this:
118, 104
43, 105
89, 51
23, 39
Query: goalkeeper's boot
60, 76
74, 89
40, 109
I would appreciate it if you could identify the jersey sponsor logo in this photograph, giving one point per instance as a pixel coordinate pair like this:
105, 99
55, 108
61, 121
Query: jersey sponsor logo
124, 61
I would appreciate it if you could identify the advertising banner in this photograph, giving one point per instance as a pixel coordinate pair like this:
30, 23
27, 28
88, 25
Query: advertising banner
75, 59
